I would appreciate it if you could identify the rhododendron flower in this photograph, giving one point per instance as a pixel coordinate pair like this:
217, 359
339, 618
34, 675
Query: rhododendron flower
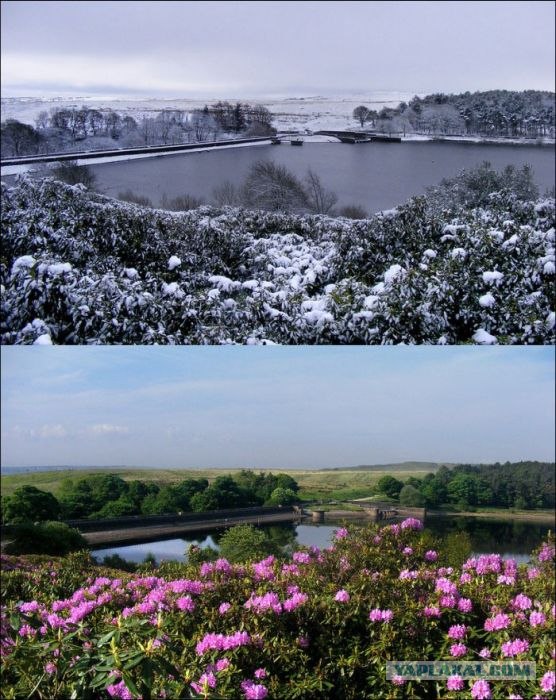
466, 578
377, 615
498, 622
431, 555
341, 533
547, 552
407, 551
412, 524
455, 683
465, 605
253, 691
444, 585
207, 680
485, 653
532, 573
515, 647
481, 690
432, 611
548, 682
50, 667
507, 580
458, 650
342, 596
398, 680
119, 690
536, 619
457, 631
224, 607
260, 673
448, 601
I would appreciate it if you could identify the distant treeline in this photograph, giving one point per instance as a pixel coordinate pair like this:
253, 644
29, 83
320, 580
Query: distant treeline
108, 495
528, 114
71, 129
521, 485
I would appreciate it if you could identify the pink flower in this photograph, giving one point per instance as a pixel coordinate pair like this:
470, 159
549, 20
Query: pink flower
547, 552
224, 607
485, 653
498, 622
412, 524
465, 578
465, 605
222, 664
342, 596
341, 533
119, 690
444, 585
431, 555
295, 601
303, 642
432, 611
260, 673
532, 573
377, 615
481, 690
207, 680
407, 551
448, 601
455, 683
515, 647
458, 650
253, 691
457, 631
50, 667
536, 619
398, 680
548, 682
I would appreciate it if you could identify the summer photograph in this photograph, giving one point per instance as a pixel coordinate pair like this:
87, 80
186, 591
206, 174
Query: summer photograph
277, 523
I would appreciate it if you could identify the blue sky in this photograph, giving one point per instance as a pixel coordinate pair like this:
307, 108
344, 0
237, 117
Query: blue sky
275, 407
243, 49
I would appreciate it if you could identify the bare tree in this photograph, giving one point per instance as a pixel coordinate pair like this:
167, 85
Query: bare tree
319, 199
227, 194
273, 187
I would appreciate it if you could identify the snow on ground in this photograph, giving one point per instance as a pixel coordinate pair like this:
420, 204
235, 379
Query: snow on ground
314, 113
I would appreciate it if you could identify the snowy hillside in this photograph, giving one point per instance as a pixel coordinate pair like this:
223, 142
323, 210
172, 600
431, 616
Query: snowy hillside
78, 267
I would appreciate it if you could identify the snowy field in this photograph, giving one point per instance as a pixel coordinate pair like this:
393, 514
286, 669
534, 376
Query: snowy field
299, 113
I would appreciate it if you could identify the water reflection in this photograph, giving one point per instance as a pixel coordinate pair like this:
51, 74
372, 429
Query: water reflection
510, 538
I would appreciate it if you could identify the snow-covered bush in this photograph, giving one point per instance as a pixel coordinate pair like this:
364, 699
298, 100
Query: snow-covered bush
77, 267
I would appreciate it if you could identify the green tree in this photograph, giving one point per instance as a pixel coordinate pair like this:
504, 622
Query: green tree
282, 497
390, 486
462, 490
28, 503
242, 543
410, 496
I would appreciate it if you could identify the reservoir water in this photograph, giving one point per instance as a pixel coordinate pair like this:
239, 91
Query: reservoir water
375, 175
515, 538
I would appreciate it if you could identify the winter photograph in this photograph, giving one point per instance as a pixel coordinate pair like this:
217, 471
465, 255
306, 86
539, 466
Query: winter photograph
246, 523
292, 173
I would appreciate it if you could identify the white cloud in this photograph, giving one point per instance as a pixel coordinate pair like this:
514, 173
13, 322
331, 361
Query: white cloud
108, 429
51, 431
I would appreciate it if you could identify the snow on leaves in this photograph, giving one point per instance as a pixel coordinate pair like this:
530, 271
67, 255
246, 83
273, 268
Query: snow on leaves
81, 268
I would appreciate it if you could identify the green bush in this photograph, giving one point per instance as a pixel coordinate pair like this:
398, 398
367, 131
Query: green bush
52, 538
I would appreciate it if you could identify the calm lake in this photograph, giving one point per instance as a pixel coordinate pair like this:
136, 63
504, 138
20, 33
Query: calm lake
510, 538
376, 175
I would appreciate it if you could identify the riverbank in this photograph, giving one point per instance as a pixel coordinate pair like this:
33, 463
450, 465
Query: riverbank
486, 140
544, 517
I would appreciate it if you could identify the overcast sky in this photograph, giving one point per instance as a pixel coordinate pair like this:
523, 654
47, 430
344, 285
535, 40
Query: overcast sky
275, 407
181, 49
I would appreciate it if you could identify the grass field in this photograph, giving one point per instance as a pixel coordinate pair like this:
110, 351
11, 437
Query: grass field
336, 484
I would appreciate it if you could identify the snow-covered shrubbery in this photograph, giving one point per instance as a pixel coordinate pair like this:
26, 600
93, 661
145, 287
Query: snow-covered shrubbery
78, 267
